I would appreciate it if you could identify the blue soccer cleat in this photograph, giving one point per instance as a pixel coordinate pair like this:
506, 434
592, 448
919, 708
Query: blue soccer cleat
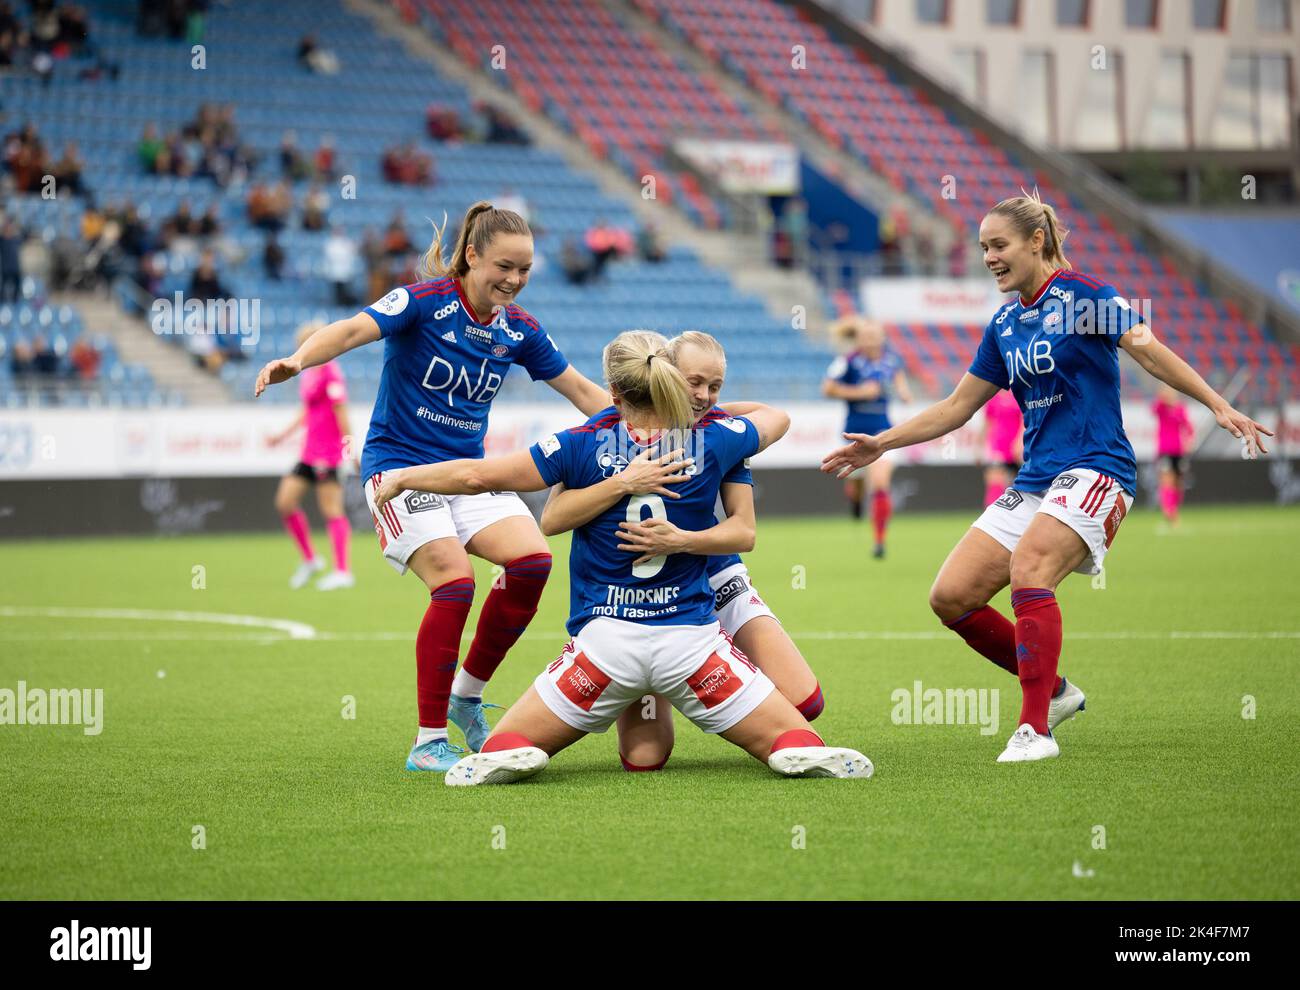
437, 755
467, 715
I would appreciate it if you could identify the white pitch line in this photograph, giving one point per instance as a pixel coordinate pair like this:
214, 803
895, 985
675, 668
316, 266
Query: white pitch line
296, 630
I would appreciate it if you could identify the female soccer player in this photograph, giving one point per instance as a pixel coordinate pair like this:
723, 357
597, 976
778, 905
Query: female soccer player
646, 731
1056, 348
638, 628
863, 378
1004, 444
449, 342
325, 416
1173, 434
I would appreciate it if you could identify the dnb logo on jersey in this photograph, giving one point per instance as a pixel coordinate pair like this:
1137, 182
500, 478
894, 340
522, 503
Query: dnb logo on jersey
714, 682
583, 682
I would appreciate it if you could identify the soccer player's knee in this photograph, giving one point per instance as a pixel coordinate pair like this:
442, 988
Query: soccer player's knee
645, 759
1028, 568
946, 601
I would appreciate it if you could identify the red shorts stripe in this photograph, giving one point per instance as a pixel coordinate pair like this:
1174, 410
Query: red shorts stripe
1091, 492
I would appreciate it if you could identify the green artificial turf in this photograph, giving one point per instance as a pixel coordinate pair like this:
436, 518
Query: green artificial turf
240, 730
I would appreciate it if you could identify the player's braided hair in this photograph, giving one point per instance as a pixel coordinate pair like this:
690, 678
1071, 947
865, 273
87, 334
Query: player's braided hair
1029, 213
482, 223
632, 371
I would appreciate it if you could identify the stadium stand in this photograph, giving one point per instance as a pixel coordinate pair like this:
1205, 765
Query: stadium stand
379, 106
855, 105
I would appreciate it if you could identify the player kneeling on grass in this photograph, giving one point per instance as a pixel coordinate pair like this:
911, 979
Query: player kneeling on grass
638, 628
645, 732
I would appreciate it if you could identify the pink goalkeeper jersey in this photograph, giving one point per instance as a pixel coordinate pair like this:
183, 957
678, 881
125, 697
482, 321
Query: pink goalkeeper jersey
1173, 428
1004, 421
320, 388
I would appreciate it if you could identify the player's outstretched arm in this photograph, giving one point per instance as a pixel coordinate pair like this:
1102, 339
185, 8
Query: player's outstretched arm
324, 345
939, 419
771, 424
646, 474
864, 392
1162, 363
589, 397
735, 534
513, 473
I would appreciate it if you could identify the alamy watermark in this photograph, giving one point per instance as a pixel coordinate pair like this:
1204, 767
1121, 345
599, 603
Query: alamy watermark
920, 705
179, 316
56, 706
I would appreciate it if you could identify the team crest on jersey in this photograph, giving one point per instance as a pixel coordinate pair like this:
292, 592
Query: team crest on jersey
1010, 499
423, 501
393, 303
500, 350
1052, 319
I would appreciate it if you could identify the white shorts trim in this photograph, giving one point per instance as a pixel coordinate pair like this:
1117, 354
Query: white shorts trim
735, 599
413, 519
613, 663
1090, 503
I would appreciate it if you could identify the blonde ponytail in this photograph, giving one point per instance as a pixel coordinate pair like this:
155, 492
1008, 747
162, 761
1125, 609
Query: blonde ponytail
1028, 213
637, 366
481, 225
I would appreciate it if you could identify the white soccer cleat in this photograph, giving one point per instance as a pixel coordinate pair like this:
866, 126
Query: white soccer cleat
1025, 744
1066, 705
335, 580
503, 766
820, 761
304, 573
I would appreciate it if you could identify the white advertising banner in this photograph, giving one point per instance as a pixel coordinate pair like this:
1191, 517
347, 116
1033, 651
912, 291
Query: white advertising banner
230, 441
961, 302
745, 166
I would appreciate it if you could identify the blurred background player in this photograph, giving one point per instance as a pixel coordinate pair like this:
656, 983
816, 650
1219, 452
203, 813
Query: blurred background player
449, 343
1003, 443
646, 733
324, 421
864, 378
1058, 353
1173, 436
638, 628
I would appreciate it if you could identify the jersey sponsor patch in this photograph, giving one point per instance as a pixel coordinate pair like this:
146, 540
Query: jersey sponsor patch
734, 425
731, 590
1064, 481
714, 682
1010, 499
393, 303
550, 445
423, 501
1116, 516
583, 682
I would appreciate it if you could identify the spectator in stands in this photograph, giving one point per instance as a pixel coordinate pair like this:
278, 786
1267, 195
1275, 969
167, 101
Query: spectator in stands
341, 265
442, 123
397, 243
84, 359
647, 244
501, 129
293, 163
67, 170
149, 148
26, 159
149, 274
11, 272
407, 165
268, 209
376, 258
576, 261
790, 242
45, 361
209, 225
315, 208
134, 240
273, 258
319, 60
20, 361
606, 242
325, 159
205, 285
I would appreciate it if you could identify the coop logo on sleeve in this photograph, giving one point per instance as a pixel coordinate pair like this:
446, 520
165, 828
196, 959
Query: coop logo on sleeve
393, 303
77, 944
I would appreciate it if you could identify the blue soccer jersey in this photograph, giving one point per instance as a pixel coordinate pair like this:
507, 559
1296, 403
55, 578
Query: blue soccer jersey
1059, 356
442, 369
603, 580
867, 415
